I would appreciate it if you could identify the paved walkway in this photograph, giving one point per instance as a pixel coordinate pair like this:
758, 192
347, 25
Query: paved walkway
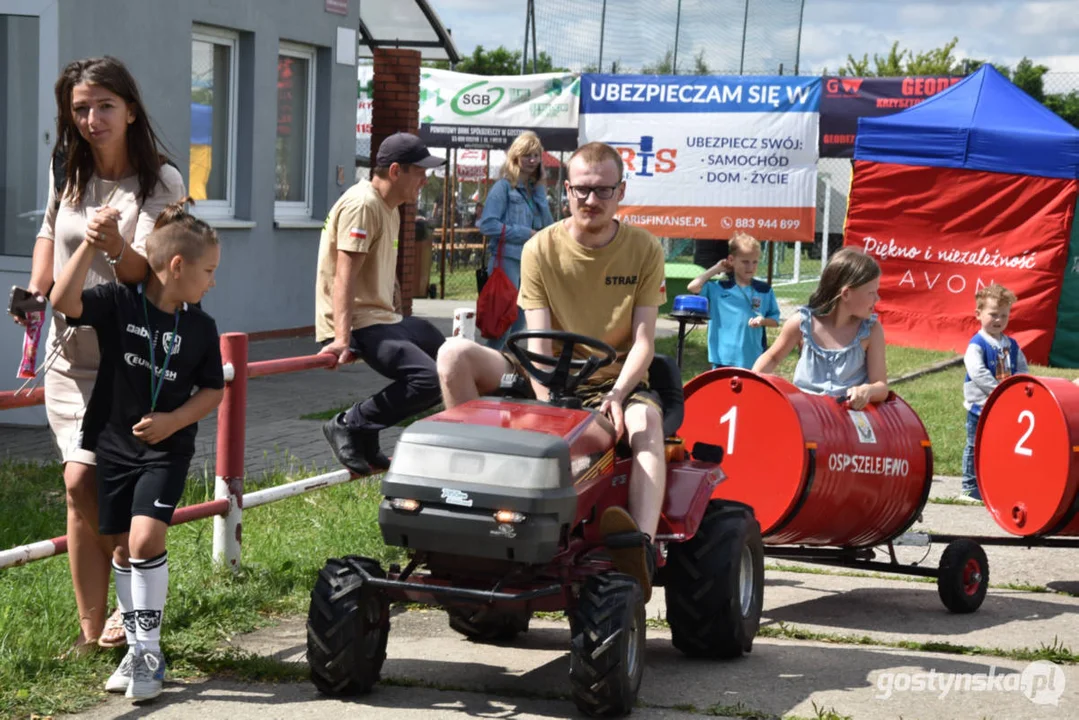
277, 437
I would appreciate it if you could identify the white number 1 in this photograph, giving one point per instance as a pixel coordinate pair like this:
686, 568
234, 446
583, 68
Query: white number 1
730, 416
1019, 448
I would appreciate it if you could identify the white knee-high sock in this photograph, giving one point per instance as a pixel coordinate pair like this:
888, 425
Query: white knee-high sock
122, 578
149, 586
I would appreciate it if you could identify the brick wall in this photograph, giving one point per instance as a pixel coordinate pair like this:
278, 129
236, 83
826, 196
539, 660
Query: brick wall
396, 108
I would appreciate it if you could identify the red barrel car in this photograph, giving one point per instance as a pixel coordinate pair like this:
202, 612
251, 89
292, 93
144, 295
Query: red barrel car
819, 475
1026, 456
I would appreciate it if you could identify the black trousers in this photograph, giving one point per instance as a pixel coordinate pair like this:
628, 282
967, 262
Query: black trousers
405, 352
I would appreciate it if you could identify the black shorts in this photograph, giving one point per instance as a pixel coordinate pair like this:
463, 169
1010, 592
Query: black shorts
125, 490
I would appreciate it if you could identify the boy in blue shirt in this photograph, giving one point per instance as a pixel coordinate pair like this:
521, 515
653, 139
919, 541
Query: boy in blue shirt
991, 357
740, 306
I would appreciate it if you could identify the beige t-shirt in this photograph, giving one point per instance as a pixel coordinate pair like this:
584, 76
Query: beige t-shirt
66, 226
593, 291
359, 222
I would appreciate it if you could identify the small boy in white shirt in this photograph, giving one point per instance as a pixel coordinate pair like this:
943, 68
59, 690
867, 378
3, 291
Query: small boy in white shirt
991, 357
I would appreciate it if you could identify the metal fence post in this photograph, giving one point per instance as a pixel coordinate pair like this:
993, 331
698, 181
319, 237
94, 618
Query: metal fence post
826, 230
231, 427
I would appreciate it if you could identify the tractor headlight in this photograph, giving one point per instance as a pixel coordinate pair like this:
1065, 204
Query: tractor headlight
467, 466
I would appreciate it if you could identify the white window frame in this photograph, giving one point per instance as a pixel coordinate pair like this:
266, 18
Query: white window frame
48, 16
223, 209
293, 209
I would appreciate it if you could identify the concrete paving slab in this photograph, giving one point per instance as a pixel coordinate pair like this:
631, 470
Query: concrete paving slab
223, 699
1054, 568
779, 678
895, 611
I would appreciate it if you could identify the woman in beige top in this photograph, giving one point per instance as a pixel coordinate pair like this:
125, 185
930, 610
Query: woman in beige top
115, 183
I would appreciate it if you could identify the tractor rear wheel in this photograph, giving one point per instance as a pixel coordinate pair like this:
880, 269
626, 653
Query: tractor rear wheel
486, 624
715, 584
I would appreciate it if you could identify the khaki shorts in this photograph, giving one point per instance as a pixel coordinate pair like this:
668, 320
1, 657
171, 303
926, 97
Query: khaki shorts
591, 394
69, 381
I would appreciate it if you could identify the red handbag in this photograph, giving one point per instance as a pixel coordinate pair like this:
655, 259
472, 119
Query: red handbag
496, 307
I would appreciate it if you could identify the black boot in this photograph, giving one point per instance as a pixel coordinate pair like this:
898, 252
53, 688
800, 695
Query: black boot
348, 445
372, 451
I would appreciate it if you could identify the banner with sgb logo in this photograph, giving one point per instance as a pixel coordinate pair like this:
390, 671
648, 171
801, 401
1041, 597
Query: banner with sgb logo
458, 110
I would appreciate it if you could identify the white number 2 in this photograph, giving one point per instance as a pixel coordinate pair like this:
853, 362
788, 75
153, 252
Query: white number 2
1020, 449
730, 416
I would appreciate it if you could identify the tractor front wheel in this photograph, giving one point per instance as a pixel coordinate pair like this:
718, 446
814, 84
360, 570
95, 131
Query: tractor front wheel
606, 659
347, 627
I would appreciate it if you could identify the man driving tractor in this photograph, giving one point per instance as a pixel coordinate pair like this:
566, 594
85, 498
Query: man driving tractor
592, 275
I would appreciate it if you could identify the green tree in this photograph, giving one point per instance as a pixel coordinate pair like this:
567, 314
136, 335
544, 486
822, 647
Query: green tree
666, 65
616, 67
942, 61
499, 61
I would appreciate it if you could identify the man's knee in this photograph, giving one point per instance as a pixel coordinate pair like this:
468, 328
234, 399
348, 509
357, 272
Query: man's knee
453, 357
644, 425
483, 366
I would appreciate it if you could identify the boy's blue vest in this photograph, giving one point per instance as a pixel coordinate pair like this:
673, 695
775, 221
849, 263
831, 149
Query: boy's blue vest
990, 352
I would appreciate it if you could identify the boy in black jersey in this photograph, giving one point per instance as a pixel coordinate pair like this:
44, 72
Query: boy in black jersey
156, 349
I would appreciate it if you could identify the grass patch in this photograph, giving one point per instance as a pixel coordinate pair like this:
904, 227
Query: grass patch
1056, 652
784, 567
286, 543
951, 501
938, 400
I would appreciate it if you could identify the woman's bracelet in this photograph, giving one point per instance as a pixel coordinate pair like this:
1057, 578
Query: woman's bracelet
116, 260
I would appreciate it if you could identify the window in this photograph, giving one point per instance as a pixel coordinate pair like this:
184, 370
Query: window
295, 131
23, 175
213, 121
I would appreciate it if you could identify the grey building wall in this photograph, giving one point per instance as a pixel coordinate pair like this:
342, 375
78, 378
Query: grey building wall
266, 279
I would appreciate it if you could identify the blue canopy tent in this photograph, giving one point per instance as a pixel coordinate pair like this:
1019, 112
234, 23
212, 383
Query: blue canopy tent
975, 185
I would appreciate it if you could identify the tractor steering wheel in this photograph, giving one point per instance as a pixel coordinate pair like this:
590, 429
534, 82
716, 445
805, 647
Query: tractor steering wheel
559, 380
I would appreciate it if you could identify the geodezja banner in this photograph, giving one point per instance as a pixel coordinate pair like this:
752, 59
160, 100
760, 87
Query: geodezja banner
490, 111
707, 156
845, 99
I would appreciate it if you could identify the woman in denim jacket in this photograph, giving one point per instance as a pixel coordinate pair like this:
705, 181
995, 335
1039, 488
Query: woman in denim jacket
517, 203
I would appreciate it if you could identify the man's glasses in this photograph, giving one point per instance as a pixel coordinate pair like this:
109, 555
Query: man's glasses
581, 192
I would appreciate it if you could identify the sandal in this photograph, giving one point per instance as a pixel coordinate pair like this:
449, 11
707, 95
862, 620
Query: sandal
81, 648
113, 634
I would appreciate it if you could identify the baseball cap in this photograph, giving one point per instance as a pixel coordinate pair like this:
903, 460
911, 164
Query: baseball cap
406, 149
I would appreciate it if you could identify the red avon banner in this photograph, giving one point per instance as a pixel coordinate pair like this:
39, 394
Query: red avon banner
940, 234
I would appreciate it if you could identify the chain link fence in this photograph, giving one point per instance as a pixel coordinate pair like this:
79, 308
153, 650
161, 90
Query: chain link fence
715, 37
671, 36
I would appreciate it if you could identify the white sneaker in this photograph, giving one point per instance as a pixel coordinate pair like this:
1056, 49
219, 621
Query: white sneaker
148, 675
968, 499
121, 676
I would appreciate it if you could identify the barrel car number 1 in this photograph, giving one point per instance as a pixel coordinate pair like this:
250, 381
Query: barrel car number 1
731, 416
1020, 448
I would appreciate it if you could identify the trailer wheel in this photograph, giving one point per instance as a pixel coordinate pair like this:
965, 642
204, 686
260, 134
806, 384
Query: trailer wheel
715, 584
606, 658
347, 627
487, 624
963, 576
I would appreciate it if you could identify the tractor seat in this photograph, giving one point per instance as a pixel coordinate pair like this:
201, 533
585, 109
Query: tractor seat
665, 379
